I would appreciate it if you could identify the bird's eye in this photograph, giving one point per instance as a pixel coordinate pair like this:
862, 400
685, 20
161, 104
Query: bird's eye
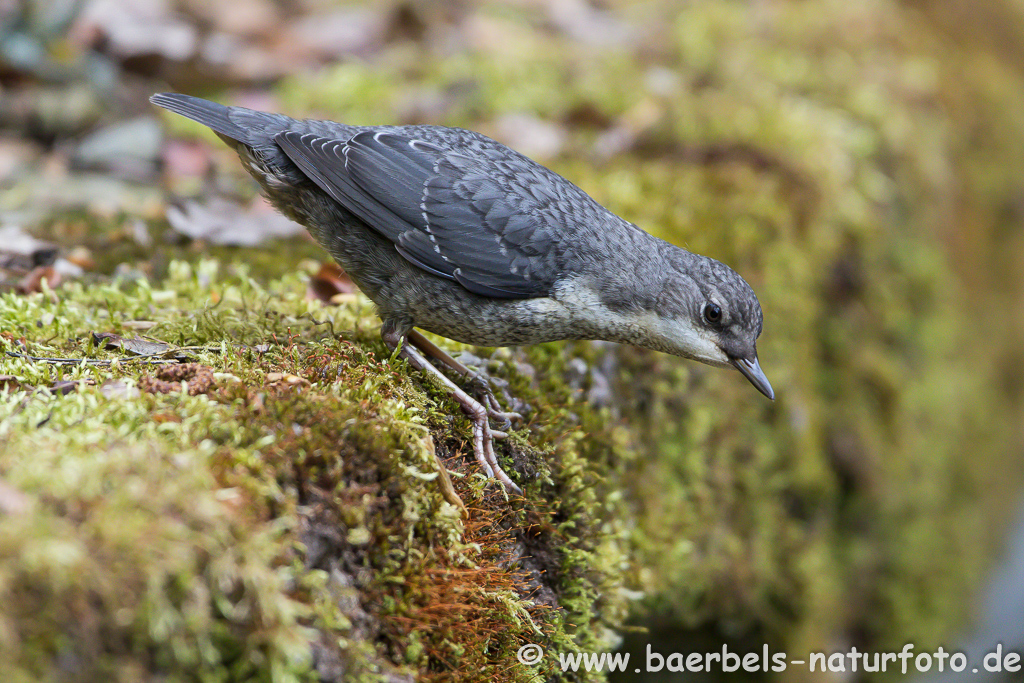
712, 313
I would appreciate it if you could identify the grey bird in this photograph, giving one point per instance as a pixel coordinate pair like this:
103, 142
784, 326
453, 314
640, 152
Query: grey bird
452, 232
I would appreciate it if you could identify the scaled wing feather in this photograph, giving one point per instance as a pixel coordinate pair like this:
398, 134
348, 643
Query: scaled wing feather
445, 212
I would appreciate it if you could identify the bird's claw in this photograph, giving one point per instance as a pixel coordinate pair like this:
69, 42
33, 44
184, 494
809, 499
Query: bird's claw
505, 416
483, 449
479, 410
503, 420
482, 388
483, 434
496, 413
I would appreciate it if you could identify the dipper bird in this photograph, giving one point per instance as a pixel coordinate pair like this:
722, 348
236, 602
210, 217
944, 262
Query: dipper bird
452, 232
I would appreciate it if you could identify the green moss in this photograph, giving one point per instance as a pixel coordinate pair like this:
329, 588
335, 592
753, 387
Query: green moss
126, 557
833, 513
858, 163
824, 154
292, 510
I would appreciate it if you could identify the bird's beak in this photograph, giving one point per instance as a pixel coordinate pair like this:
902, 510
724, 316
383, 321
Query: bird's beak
751, 369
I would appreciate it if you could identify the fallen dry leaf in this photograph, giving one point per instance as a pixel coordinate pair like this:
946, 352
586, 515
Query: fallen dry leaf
9, 383
286, 378
224, 222
137, 345
329, 282
345, 31
22, 250
66, 386
32, 283
129, 149
136, 29
82, 257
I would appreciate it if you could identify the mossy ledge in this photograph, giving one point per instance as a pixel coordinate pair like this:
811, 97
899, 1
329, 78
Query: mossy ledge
859, 163
288, 523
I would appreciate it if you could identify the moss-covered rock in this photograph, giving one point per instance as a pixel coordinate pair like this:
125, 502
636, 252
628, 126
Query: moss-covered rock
850, 160
858, 163
288, 520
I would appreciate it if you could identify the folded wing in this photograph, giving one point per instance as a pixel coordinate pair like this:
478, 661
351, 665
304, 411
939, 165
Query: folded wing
465, 216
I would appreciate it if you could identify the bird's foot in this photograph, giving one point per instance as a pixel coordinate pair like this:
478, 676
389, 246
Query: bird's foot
479, 381
483, 445
485, 395
479, 412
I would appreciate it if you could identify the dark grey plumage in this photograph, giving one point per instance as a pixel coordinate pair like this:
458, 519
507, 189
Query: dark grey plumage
450, 231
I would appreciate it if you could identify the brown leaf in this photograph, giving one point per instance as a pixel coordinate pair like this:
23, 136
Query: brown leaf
66, 386
286, 378
33, 280
21, 251
129, 149
137, 345
82, 257
9, 383
329, 281
344, 31
135, 29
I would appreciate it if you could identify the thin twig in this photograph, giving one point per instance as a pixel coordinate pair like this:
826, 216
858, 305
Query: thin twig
144, 360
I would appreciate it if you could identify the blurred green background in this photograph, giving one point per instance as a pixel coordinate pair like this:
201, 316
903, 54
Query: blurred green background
861, 164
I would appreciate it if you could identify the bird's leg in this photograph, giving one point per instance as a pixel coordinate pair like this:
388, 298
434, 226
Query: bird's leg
483, 446
431, 349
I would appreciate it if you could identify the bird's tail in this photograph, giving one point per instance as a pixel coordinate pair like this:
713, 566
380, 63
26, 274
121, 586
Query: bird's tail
205, 112
253, 128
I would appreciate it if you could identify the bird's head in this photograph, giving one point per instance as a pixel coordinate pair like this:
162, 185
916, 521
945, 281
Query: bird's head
707, 312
